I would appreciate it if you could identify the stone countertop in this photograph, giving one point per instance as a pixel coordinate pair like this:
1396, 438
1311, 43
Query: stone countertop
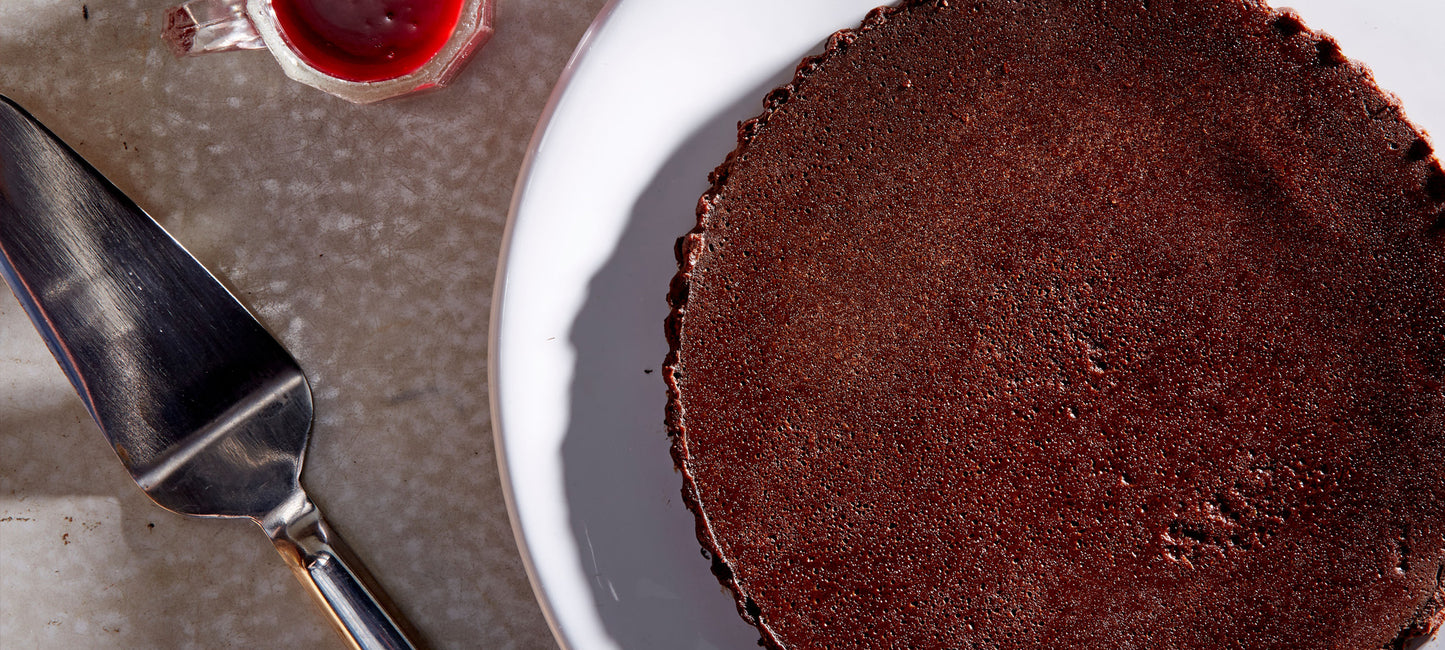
366, 238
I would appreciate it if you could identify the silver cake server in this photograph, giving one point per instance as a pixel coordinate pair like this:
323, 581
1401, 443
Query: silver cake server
206, 410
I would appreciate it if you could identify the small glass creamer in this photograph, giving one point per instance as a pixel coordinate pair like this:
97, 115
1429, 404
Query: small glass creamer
360, 50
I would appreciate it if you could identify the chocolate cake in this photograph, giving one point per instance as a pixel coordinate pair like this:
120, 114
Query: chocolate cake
1059, 324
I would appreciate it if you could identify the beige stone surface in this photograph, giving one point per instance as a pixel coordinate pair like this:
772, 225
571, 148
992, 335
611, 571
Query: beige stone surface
366, 238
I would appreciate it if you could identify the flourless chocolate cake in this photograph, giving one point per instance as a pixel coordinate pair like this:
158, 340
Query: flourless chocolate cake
1065, 324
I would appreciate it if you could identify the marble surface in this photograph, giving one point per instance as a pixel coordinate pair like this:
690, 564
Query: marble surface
366, 238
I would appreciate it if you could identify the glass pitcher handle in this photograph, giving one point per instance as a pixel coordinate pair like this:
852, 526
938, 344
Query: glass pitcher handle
205, 26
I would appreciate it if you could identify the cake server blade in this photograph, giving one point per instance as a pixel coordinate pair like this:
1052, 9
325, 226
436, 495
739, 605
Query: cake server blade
206, 410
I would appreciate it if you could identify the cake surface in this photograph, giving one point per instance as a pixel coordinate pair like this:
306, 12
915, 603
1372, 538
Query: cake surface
1070, 325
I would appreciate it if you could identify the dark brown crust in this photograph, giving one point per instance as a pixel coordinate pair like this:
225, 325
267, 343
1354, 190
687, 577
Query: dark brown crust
688, 248
691, 245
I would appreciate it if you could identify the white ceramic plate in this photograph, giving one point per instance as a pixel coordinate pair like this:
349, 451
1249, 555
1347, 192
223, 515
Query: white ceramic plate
647, 107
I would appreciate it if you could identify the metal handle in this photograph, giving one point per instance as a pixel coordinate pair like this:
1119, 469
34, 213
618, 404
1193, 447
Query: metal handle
357, 607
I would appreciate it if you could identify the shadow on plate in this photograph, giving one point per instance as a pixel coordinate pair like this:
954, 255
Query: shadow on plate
651, 585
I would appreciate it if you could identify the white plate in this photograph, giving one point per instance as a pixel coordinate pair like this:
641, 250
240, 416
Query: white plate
647, 107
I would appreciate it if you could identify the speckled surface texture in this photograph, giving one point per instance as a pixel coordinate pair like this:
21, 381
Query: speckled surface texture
366, 238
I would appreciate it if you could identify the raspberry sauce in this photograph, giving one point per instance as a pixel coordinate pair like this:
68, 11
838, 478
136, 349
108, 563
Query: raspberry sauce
367, 40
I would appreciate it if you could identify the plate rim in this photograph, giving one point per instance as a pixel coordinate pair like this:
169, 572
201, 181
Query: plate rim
494, 319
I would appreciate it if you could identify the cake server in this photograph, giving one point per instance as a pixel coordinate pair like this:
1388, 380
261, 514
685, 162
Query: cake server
205, 409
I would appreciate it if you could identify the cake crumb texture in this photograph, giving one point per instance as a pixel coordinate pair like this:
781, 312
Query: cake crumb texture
1042, 323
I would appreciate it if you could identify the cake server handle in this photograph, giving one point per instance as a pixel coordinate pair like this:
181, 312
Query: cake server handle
336, 578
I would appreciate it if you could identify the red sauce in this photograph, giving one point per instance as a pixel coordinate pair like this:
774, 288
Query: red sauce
367, 40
